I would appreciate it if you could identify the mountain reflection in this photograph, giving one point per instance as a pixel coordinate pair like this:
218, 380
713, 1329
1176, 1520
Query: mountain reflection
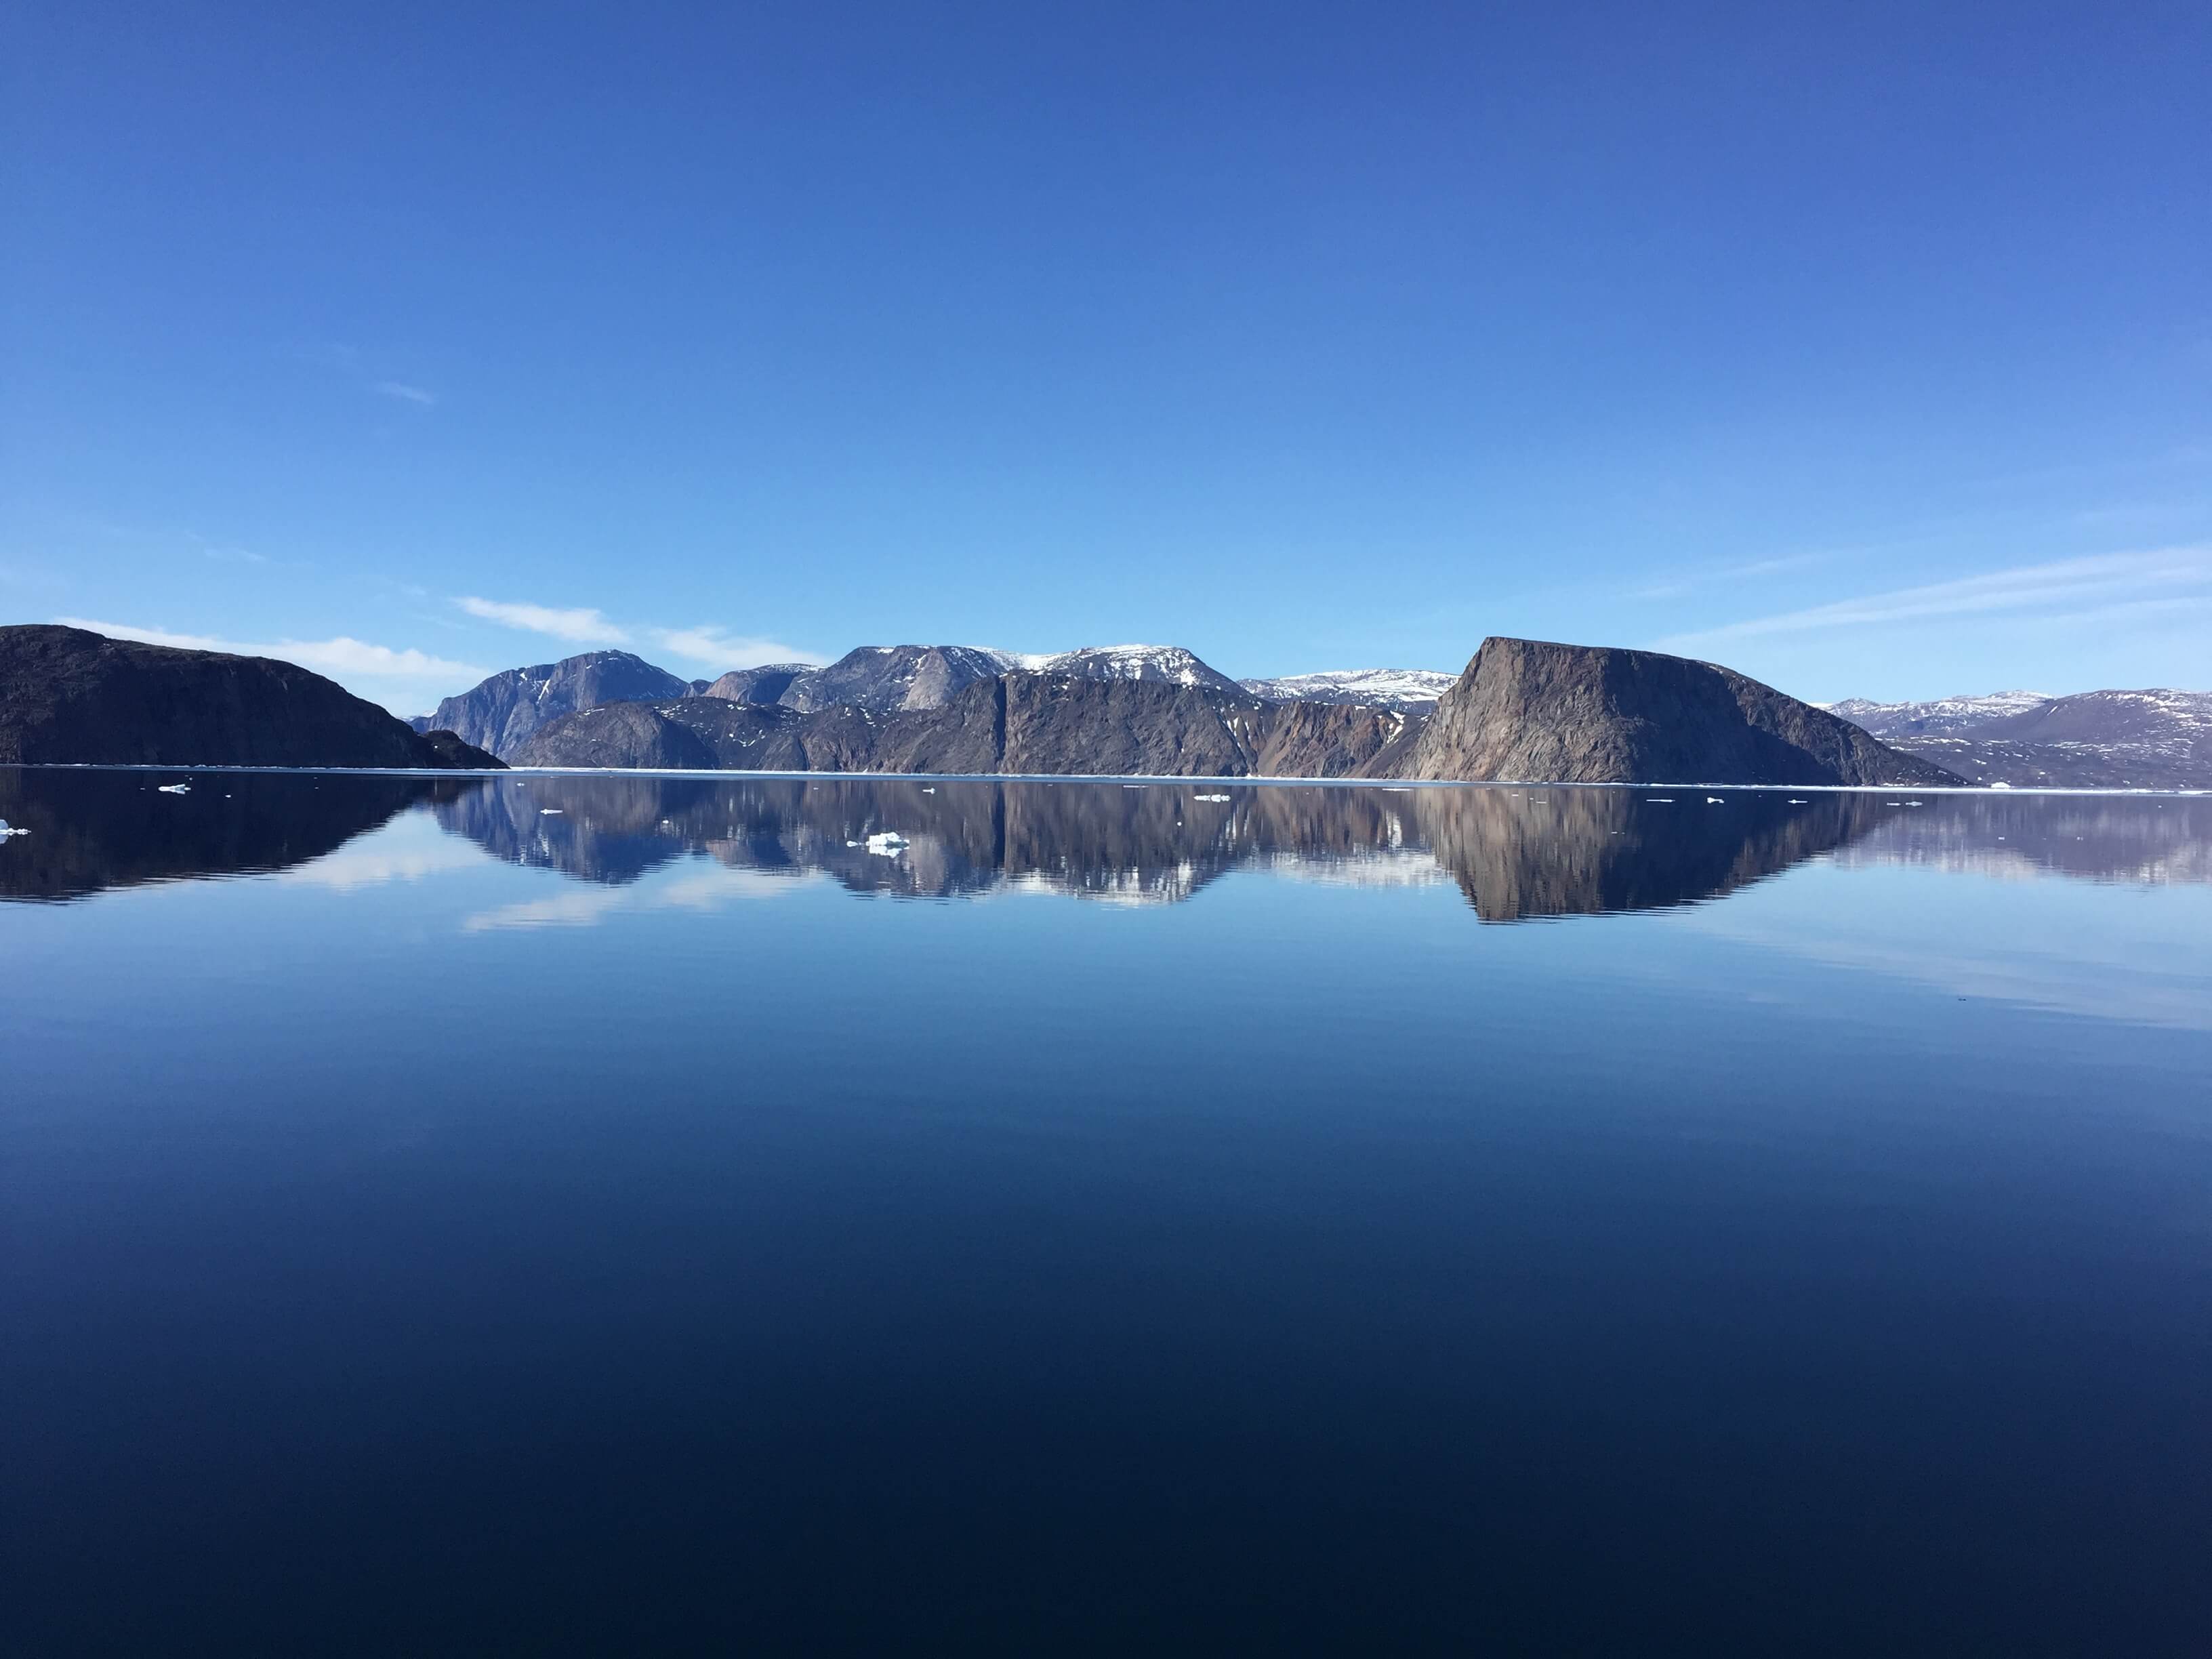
1514, 854
91, 829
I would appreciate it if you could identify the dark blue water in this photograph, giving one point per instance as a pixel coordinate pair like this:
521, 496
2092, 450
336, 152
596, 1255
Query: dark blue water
1325, 1219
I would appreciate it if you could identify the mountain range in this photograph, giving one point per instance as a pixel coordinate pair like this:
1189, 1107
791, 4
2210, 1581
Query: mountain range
1522, 709
2147, 739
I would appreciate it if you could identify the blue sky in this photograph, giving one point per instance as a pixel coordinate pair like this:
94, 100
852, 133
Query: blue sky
1867, 349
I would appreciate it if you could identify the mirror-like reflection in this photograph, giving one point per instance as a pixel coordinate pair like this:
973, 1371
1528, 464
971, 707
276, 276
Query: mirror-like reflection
1514, 853
86, 829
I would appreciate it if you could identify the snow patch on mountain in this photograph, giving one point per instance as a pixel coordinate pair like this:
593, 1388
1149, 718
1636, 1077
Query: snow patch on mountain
1379, 688
1939, 716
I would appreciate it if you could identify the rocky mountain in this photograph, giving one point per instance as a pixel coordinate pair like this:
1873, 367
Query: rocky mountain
1574, 713
2150, 739
1163, 665
1405, 689
766, 683
890, 679
504, 710
1009, 723
71, 697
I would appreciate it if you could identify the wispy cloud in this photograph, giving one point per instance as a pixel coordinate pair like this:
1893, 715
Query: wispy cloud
340, 656
404, 392
583, 624
705, 643
1675, 586
713, 646
2061, 584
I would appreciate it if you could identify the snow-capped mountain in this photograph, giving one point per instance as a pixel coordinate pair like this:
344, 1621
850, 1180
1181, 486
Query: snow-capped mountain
2156, 739
1949, 717
1377, 688
1170, 664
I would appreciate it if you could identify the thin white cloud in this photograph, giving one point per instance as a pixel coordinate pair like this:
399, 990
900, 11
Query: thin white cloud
1676, 586
713, 647
2067, 585
338, 657
583, 624
404, 392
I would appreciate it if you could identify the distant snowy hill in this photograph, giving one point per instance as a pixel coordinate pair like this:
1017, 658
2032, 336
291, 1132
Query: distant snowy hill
1168, 664
2156, 739
1380, 688
1949, 717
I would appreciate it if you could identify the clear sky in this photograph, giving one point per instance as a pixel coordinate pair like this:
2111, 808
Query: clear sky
1867, 349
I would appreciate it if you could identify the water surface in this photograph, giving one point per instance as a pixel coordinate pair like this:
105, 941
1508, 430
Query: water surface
624, 1214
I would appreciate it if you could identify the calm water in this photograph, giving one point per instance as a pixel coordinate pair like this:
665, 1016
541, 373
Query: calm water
632, 1215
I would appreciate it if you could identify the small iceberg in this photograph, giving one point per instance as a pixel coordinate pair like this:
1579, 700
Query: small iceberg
6, 831
887, 843
176, 788
549, 811
1715, 801
1209, 797
929, 789
1796, 801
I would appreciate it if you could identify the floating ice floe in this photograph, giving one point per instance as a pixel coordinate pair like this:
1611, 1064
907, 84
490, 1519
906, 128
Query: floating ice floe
549, 811
176, 788
929, 789
1209, 797
5, 831
1796, 801
887, 843
1715, 801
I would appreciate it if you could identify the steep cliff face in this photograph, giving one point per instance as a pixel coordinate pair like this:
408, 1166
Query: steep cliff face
500, 713
1054, 724
1572, 713
68, 696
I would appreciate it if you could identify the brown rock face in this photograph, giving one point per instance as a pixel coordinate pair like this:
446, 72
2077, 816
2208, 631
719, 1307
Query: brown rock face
70, 697
1530, 710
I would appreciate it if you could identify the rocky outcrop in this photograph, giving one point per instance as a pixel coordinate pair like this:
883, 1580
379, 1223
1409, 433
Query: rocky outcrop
1574, 713
461, 756
71, 697
499, 714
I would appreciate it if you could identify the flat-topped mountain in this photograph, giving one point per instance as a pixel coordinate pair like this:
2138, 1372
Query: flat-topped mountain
504, 710
1577, 713
71, 697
